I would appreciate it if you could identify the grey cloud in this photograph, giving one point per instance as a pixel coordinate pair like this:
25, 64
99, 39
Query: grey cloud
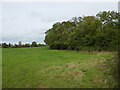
24, 37
36, 14
28, 21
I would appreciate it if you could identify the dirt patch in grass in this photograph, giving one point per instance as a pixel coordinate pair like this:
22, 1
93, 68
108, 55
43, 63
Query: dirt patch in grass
75, 73
68, 65
102, 65
71, 65
42, 86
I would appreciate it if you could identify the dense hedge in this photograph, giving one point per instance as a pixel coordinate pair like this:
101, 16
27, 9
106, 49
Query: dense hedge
89, 33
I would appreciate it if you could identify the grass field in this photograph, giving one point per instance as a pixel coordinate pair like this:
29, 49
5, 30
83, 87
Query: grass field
43, 68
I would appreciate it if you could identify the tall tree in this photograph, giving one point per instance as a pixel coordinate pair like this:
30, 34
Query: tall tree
34, 44
4, 45
19, 44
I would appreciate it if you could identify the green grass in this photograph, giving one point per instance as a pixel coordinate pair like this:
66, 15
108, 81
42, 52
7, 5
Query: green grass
43, 68
0, 68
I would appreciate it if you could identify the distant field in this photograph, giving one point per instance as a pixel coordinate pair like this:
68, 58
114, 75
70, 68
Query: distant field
43, 68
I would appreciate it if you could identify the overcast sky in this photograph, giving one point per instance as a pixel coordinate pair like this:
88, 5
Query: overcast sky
28, 22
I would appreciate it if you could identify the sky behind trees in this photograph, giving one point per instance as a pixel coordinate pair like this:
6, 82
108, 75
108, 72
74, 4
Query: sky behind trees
28, 22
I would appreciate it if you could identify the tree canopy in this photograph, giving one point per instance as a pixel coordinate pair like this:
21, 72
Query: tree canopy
98, 32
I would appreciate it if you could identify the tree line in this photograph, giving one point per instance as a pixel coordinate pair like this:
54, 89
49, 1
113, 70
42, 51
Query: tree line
88, 33
19, 45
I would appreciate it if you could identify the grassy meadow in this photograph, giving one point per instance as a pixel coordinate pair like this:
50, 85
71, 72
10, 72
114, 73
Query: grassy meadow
40, 67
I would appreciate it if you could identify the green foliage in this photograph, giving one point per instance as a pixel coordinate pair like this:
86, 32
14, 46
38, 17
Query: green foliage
4, 45
0, 45
27, 45
98, 32
39, 45
15, 46
34, 44
20, 45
